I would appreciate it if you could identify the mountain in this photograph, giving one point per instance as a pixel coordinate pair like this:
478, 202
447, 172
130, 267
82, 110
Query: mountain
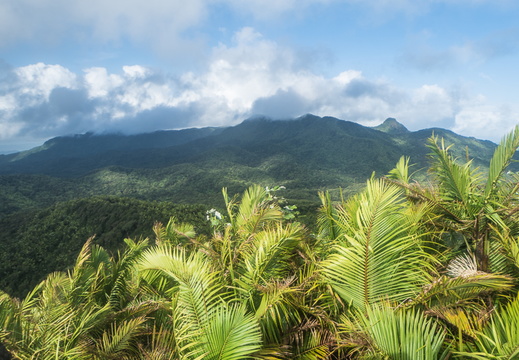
53, 197
391, 126
306, 155
70, 156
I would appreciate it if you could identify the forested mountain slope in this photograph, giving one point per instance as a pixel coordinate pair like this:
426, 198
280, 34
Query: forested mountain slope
306, 154
37, 242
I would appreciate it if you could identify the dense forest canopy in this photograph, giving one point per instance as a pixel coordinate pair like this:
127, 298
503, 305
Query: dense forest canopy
404, 269
307, 155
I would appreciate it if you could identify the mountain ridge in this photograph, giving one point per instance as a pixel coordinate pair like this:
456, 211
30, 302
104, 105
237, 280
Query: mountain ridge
76, 155
307, 154
89, 144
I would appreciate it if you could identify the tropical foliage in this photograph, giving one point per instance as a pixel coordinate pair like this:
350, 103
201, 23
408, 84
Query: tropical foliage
402, 270
38, 242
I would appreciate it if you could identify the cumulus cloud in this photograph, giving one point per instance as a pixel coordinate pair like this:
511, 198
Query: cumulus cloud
477, 117
253, 75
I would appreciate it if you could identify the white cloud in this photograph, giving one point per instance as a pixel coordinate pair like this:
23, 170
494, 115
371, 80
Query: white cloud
252, 75
136, 71
477, 117
40, 79
428, 106
158, 24
99, 83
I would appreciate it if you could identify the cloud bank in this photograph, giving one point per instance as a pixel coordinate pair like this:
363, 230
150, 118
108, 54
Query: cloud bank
251, 76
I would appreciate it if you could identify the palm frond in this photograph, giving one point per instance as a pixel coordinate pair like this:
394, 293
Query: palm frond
458, 181
198, 287
500, 160
461, 290
327, 218
499, 339
119, 341
403, 334
255, 209
231, 334
379, 256
509, 246
276, 308
401, 171
266, 256
175, 233
197, 295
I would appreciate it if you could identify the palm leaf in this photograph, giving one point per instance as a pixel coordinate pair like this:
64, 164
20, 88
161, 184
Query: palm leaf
327, 218
499, 339
266, 256
196, 296
379, 256
255, 209
401, 171
174, 233
457, 181
119, 341
231, 334
500, 160
461, 291
404, 334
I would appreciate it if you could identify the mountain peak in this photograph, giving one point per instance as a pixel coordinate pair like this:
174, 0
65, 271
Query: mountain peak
258, 118
391, 126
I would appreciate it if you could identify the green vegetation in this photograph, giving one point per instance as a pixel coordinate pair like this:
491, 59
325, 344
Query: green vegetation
36, 243
404, 269
307, 155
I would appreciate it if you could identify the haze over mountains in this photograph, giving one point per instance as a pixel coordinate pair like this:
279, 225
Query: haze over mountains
252, 142
306, 154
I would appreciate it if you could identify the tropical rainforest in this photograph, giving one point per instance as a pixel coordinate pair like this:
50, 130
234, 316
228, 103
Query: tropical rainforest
409, 267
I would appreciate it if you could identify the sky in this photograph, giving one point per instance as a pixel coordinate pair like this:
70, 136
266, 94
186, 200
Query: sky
131, 66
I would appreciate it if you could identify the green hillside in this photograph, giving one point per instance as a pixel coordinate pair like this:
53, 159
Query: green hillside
36, 243
410, 267
306, 155
54, 197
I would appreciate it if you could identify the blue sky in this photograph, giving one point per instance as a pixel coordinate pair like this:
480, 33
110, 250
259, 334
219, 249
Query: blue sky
131, 66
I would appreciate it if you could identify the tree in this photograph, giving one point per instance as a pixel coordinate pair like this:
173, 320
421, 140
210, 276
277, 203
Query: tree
255, 262
477, 211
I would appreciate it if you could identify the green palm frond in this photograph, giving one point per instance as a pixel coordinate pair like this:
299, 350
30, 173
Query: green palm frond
197, 295
401, 171
509, 246
122, 279
501, 160
266, 256
379, 256
161, 344
499, 339
198, 289
231, 334
403, 334
500, 262
458, 181
327, 218
175, 233
118, 342
462, 290
255, 209
277, 309
48, 324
